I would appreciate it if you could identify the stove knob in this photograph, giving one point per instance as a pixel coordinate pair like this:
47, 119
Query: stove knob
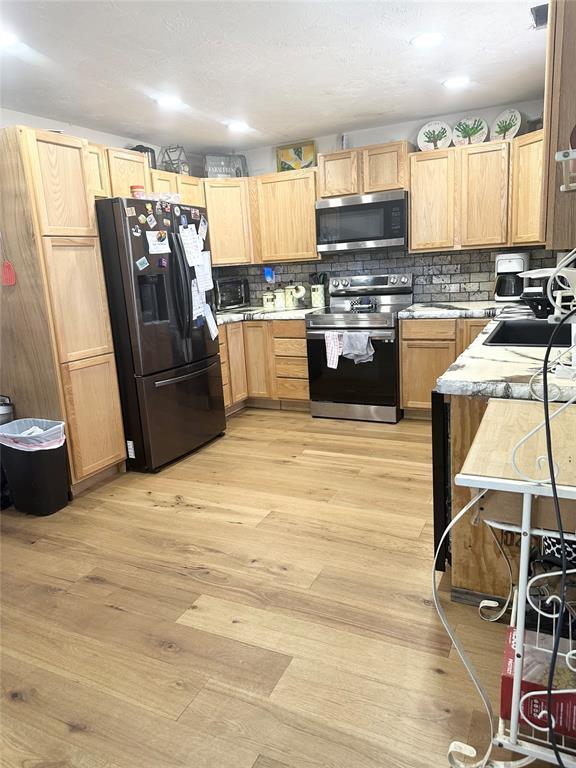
335, 283
393, 280
345, 283
404, 279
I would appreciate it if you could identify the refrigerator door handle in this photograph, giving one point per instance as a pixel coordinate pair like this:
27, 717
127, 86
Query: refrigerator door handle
176, 290
186, 289
176, 379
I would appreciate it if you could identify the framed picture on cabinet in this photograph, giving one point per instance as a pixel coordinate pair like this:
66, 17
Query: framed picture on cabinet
296, 157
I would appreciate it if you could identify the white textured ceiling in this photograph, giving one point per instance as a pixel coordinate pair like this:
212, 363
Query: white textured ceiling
290, 69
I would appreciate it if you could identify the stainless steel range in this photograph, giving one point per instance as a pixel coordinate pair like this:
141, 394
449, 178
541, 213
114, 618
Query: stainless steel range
366, 391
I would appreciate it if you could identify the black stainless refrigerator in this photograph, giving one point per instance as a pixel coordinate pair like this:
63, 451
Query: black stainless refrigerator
164, 338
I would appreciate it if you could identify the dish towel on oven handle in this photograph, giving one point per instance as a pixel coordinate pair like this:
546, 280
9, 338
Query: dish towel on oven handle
333, 341
358, 347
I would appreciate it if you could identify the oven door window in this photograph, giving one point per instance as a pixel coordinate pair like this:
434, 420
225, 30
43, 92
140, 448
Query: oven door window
374, 383
359, 223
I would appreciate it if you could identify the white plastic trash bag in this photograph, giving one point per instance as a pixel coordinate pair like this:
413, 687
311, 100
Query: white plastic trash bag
32, 434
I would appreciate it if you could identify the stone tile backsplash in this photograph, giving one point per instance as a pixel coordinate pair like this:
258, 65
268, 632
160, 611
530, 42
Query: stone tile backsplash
453, 276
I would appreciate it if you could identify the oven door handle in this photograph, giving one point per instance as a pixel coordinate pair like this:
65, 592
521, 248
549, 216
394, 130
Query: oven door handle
379, 334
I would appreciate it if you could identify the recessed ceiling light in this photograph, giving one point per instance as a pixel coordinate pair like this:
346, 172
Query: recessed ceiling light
427, 40
238, 126
7, 39
456, 83
169, 102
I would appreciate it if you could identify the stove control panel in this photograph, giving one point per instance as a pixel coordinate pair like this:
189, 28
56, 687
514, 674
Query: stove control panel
371, 284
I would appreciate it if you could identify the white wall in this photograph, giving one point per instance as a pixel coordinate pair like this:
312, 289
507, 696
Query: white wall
11, 117
263, 159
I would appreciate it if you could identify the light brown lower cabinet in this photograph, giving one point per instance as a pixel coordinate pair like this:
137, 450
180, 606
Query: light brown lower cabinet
427, 349
290, 359
236, 362
467, 332
259, 361
223, 350
93, 414
422, 363
265, 360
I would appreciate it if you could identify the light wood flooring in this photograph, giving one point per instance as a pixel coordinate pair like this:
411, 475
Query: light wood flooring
264, 603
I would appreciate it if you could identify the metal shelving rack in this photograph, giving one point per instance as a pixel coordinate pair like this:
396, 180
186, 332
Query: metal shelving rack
519, 735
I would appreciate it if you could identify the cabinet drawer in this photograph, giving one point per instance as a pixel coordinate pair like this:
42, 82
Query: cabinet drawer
289, 329
292, 389
292, 367
290, 347
428, 329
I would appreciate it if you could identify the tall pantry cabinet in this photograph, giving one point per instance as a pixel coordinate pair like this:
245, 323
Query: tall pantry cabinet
57, 354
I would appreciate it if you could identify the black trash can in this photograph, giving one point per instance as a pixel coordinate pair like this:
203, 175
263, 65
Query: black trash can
33, 454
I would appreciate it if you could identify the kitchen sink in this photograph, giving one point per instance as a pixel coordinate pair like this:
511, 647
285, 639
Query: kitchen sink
527, 333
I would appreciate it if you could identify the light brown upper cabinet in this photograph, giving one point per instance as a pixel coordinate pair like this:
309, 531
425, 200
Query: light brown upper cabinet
385, 166
58, 166
163, 181
339, 174
127, 169
375, 168
97, 167
227, 203
191, 190
483, 209
432, 200
286, 206
526, 219
78, 297
93, 415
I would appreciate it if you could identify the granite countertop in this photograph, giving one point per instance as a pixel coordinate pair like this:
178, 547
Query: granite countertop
505, 372
450, 310
257, 313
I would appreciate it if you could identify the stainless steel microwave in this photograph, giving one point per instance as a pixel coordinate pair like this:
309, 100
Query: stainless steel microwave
362, 222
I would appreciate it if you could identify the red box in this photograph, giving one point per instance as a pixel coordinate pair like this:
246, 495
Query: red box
535, 677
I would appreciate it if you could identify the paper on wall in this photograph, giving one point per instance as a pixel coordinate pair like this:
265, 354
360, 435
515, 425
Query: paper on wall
192, 247
198, 300
158, 242
210, 321
202, 228
204, 272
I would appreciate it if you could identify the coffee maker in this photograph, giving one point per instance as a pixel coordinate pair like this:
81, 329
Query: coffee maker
509, 285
